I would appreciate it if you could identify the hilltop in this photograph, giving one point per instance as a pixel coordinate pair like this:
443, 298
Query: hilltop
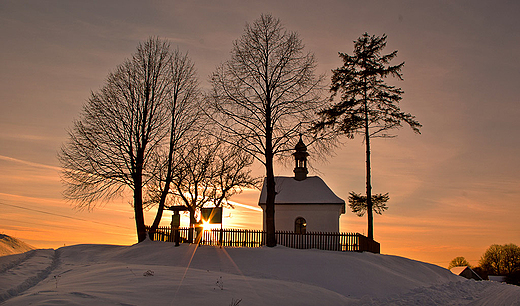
158, 273
10, 245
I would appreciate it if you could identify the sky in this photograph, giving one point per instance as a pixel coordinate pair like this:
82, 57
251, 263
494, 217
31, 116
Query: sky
454, 190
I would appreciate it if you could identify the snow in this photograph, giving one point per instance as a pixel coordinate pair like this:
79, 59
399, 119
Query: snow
458, 270
10, 245
312, 190
158, 273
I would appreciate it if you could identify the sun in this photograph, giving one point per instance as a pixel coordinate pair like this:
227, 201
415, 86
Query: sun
206, 226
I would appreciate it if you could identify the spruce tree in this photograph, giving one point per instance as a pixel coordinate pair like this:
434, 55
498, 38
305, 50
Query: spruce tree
367, 104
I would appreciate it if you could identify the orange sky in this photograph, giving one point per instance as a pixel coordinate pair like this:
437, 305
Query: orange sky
454, 190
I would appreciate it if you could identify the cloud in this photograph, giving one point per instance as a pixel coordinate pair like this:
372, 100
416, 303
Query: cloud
28, 163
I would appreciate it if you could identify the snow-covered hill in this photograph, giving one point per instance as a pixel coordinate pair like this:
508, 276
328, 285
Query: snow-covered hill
157, 273
10, 245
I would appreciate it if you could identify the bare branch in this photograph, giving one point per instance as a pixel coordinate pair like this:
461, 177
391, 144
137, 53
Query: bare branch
118, 141
263, 95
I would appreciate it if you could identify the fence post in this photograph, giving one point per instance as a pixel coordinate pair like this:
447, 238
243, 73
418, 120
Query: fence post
198, 237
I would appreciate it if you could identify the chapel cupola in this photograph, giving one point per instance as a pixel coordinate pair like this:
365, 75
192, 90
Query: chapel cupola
300, 158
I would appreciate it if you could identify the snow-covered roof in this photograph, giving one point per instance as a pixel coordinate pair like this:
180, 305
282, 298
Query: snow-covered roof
466, 272
458, 270
311, 190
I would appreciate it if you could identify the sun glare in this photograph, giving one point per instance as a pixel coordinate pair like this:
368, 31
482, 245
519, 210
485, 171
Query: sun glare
206, 225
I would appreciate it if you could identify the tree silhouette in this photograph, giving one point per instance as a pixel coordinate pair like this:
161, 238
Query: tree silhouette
358, 203
501, 259
263, 96
185, 124
458, 262
209, 173
367, 105
118, 142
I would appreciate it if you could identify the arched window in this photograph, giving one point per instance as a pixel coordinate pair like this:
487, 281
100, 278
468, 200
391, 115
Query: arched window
300, 226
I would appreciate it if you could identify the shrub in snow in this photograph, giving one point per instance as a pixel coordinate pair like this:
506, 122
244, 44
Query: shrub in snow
148, 273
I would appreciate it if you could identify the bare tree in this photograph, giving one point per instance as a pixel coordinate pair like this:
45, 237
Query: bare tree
367, 105
184, 125
209, 173
116, 143
263, 96
231, 174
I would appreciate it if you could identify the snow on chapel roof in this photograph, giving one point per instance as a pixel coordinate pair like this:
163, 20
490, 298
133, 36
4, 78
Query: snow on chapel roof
311, 190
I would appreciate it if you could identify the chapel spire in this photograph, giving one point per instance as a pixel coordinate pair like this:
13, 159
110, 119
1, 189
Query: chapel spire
300, 158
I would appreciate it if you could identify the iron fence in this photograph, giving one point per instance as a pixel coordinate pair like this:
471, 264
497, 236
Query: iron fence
353, 242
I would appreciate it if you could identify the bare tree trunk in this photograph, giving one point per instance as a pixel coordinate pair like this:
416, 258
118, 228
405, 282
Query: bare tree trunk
160, 209
138, 204
271, 189
191, 229
269, 205
166, 189
369, 193
370, 214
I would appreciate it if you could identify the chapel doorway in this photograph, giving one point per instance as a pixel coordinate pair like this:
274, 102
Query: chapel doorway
300, 226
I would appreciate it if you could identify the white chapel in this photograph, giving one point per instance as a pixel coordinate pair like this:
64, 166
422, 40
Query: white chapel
303, 203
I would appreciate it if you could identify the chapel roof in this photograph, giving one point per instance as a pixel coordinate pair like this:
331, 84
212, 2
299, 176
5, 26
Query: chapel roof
312, 190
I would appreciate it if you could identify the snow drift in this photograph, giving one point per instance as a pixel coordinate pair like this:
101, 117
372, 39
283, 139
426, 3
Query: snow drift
10, 245
158, 273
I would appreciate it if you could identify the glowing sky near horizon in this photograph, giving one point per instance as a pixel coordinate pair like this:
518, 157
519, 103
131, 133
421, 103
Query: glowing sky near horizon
454, 190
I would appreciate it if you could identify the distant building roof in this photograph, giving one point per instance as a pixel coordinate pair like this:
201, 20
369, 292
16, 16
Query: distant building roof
311, 190
466, 272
